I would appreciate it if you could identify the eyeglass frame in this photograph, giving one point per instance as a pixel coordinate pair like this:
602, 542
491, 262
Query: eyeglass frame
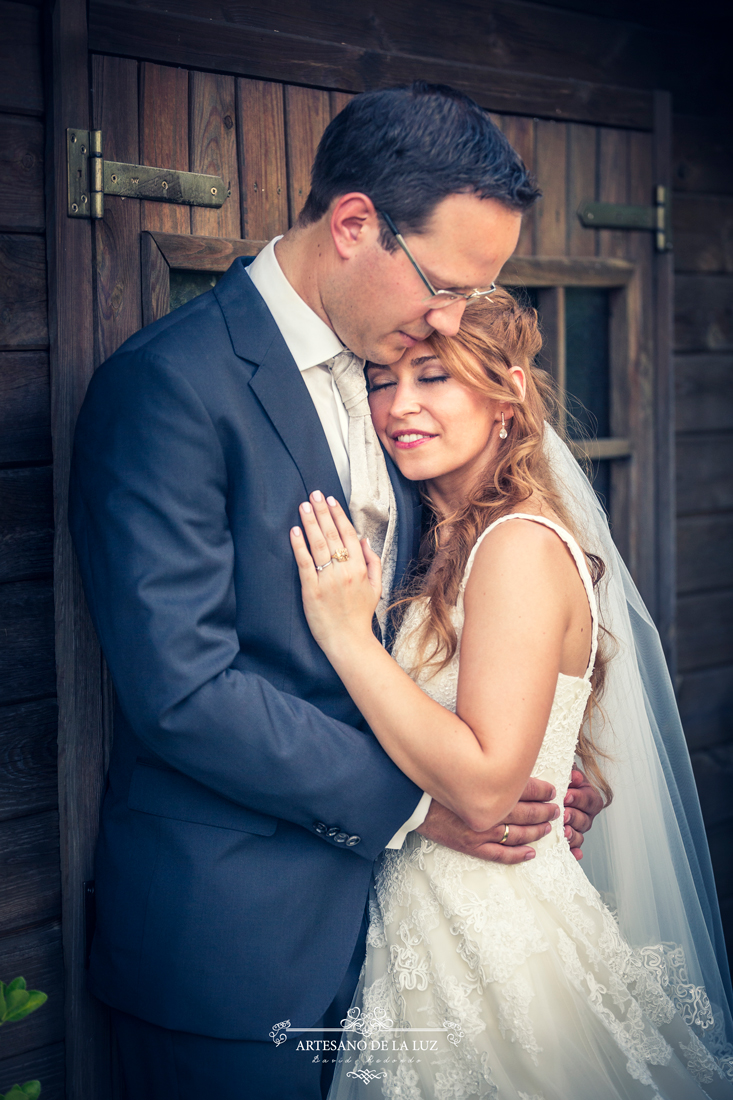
454, 294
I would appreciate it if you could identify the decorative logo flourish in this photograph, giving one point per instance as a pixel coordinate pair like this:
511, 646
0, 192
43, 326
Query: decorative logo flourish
279, 1032
374, 1019
366, 1075
455, 1031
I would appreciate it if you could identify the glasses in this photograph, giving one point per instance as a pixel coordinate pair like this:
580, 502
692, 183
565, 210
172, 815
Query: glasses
438, 298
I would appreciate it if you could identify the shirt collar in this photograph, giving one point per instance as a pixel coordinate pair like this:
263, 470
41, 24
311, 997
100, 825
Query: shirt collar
310, 341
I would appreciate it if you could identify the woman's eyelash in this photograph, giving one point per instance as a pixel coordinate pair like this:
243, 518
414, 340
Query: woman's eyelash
436, 378
374, 386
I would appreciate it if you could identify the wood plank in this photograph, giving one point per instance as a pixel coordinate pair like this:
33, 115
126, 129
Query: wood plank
704, 482
28, 769
83, 736
552, 271
27, 666
520, 133
266, 54
703, 233
551, 172
705, 700
704, 553
704, 387
45, 1065
213, 150
720, 839
581, 186
116, 236
307, 114
21, 82
25, 407
21, 174
30, 879
36, 956
338, 101
702, 155
26, 523
703, 314
705, 630
262, 165
23, 314
155, 277
613, 184
188, 253
164, 138
713, 770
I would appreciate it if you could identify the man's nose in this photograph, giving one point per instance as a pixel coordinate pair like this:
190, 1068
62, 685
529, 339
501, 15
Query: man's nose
447, 320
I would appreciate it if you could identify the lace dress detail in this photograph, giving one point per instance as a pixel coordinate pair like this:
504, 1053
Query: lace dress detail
489, 981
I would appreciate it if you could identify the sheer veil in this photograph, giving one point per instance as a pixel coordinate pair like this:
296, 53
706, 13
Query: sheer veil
647, 853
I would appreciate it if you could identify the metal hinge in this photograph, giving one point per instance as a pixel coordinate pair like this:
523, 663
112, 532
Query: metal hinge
611, 215
91, 177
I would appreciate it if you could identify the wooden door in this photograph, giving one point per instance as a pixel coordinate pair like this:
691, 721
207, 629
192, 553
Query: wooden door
110, 277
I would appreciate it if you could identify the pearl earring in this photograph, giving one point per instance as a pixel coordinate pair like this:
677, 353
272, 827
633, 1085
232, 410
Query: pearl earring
503, 432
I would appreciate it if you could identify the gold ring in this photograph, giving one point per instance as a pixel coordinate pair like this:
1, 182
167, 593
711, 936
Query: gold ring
341, 555
506, 834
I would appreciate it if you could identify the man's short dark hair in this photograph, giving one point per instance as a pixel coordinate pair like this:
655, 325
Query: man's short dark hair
409, 148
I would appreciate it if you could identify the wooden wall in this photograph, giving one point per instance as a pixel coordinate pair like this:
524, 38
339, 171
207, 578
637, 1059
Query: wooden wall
30, 902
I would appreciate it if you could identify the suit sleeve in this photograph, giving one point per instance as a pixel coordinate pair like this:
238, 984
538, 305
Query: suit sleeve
149, 523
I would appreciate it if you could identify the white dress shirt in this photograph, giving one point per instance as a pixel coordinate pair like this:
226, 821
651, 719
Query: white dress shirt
311, 342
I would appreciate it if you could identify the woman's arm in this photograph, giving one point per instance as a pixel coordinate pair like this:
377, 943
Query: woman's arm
475, 762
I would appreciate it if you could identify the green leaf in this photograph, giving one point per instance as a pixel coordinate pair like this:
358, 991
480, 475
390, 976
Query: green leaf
16, 999
2, 1002
31, 1090
17, 983
33, 1000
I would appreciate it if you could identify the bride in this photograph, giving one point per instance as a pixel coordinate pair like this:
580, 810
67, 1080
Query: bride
514, 655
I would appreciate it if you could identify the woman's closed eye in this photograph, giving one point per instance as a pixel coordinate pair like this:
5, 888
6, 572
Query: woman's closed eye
373, 387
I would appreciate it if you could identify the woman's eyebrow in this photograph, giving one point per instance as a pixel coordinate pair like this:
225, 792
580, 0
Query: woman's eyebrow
422, 359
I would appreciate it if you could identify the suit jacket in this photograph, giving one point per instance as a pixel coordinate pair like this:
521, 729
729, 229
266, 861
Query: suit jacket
246, 799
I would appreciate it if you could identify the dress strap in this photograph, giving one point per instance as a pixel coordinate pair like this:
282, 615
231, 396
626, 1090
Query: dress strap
578, 558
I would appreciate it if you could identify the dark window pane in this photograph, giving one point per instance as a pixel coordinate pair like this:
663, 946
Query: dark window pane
601, 478
525, 295
587, 360
186, 285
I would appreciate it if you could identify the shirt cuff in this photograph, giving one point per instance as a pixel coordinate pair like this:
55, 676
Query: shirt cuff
421, 812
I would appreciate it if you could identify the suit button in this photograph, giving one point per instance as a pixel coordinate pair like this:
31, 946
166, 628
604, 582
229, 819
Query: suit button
333, 830
352, 841
320, 827
341, 837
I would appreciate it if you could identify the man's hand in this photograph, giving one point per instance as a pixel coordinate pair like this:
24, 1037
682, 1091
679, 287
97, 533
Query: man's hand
529, 821
582, 803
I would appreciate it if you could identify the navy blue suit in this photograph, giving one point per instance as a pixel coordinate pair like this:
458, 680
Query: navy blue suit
224, 905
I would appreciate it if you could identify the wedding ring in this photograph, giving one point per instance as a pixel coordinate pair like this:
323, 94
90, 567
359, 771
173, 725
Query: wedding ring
506, 834
341, 555
320, 568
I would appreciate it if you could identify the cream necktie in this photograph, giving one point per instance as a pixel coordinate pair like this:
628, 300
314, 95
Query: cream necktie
372, 505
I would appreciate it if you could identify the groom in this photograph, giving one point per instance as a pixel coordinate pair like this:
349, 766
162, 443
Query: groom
246, 800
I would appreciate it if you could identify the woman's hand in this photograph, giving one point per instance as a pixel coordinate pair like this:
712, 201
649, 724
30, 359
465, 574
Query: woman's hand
339, 596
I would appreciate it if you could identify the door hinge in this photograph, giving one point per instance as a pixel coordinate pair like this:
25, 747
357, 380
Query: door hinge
91, 177
612, 215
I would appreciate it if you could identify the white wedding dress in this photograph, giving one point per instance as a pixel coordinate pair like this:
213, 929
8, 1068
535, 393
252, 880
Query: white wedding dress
482, 980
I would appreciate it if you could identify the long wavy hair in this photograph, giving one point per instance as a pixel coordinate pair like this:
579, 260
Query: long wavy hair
497, 333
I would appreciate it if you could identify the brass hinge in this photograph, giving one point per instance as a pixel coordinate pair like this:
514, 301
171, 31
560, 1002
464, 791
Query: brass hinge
91, 177
612, 215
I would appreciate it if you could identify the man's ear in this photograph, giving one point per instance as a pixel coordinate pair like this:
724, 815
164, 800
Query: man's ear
353, 222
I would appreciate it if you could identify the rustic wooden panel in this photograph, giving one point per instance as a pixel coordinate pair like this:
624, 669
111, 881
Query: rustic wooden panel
702, 155
720, 839
116, 254
164, 138
703, 313
21, 173
704, 464
27, 667
26, 523
520, 133
30, 886
187, 253
338, 101
307, 114
213, 150
706, 705
704, 391
21, 84
263, 53
565, 271
36, 955
705, 630
613, 173
25, 407
582, 173
28, 782
551, 172
703, 233
713, 770
156, 280
262, 167
704, 553
23, 316
45, 1065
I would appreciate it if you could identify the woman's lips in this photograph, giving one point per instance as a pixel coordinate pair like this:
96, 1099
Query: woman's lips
407, 441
